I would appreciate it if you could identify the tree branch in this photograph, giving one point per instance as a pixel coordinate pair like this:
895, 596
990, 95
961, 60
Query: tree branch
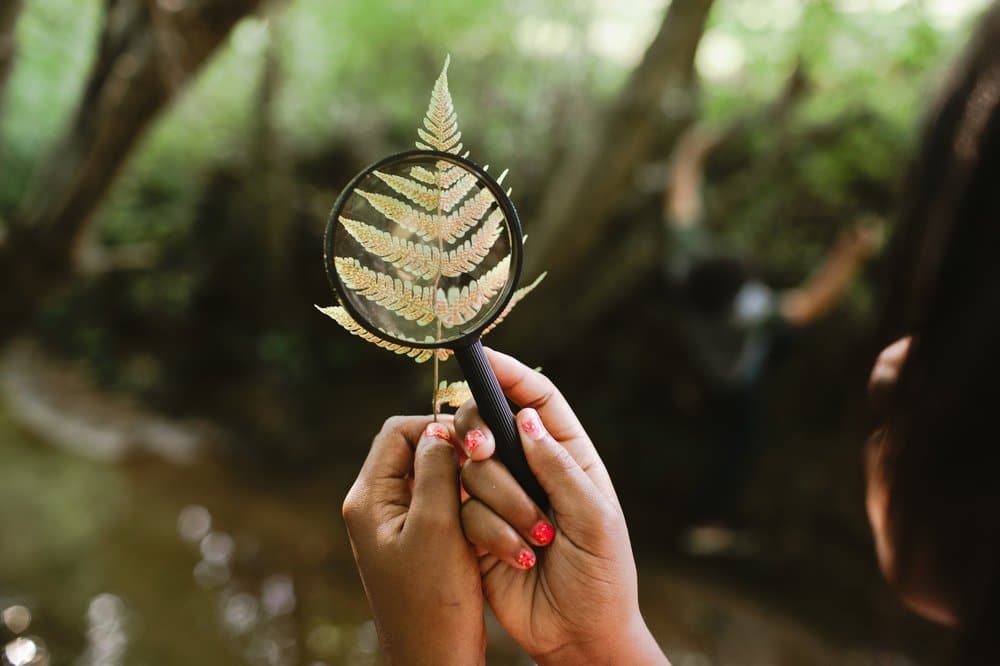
577, 210
125, 91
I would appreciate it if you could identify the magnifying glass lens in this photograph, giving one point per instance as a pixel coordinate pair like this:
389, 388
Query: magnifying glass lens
422, 250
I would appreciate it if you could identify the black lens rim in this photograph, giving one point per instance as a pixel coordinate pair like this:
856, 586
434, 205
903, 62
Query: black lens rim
516, 247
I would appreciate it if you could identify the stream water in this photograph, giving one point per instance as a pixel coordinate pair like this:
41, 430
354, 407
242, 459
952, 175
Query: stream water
151, 563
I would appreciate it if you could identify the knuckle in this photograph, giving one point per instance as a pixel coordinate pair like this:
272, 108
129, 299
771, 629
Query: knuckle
436, 522
466, 415
472, 519
434, 450
560, 457
608, 517
468, 512
471, 473
392, 424
351, 508
523, 510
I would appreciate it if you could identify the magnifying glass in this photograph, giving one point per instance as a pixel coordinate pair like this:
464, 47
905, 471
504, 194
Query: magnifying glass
424, 250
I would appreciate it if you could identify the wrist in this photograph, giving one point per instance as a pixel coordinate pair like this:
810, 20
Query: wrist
633, 645
430, 646
417, 654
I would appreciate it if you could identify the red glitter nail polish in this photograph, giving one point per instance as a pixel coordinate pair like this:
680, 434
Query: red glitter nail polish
437, 430
532, 426
473, 439
543, 533
526, 558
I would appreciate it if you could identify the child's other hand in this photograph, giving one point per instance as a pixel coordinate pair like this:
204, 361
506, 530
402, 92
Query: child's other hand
419, 572
565, 590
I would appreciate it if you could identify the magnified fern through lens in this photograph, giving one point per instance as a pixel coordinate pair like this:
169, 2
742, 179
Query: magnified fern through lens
425, 248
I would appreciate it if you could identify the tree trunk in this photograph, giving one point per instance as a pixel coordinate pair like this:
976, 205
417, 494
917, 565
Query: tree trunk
576, 214
145, 56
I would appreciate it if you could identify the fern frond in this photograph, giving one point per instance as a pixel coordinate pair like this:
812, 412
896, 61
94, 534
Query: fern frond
448, 174
423, 225
443, 177
454, 394
435, 205
456, 192
424, 175
457, 224
423, 261
427, 197
340, 315
441, 120
469, 254
428, 227
459, 305
452, 185
514, 300
410, 301
451, 145
427, 261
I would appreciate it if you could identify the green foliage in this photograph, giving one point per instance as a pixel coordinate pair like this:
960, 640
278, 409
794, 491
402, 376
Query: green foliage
56, 40
534, 78
877, 59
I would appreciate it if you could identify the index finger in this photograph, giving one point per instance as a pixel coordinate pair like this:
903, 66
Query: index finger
529, 388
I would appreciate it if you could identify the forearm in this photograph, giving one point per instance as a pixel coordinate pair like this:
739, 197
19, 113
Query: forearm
682, 205
822, 291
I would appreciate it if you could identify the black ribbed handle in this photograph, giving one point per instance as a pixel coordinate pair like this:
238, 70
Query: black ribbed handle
497, 414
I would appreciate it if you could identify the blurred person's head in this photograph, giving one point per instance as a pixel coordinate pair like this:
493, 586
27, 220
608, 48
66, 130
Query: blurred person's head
934, 468
712, 283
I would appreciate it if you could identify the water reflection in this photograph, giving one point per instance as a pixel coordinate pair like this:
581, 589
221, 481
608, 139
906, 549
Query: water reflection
17, 618
278, 595
193, 523
106, 639
239, 613
258, 619
26, 651
23, 650
217, 548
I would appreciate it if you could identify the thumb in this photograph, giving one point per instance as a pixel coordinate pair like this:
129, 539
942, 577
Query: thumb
435, 478
574, 497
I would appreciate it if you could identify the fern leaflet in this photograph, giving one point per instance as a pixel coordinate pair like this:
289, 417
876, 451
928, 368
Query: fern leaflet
514, 300
410, 301
341, 316
427, 261
460, 305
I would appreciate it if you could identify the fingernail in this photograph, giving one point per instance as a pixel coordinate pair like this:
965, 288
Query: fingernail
437, 430
526, 558
543, 533
473, 439
531, 425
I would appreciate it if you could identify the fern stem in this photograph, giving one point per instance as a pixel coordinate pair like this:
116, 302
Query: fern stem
437, 281
435, 406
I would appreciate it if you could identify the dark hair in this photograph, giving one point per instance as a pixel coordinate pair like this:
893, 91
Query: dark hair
941, 458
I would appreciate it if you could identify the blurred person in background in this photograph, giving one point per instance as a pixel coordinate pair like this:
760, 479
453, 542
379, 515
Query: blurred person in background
564, 585
735, 326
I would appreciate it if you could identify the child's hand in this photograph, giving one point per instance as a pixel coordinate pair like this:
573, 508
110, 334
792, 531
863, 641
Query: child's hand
565, 591
419, 572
